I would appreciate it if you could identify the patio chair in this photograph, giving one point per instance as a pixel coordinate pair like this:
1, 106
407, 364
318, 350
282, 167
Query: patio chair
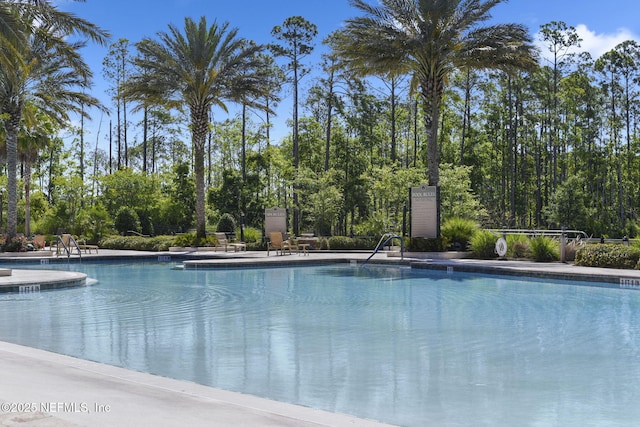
221, 241
82, 244
277, 242
39, 241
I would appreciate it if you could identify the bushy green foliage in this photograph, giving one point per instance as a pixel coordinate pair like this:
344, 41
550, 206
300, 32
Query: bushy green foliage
544, 249
146, 224
252, 235
419, 244
126, 219
253, 239
518, 246
456, 197
322, 198
323, 243
567, 206
389, 186
137, 243
376, 225
458, 232
607, 255
483, 244
125, 187
349, 243
191, 239
226, 223
92, 223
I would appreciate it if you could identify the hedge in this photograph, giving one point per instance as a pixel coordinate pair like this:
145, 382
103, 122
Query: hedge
137, 243
608, 255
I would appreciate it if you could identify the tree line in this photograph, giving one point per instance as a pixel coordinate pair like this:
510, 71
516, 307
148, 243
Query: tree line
422, 93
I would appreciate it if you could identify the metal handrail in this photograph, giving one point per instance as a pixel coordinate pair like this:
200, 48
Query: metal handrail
536, 232
389, 237
66, 248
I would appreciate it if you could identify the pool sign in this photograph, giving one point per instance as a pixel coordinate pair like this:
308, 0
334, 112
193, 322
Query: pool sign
425, 215
275, 219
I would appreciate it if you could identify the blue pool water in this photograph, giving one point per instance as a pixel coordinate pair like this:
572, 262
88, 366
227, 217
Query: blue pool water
406, 347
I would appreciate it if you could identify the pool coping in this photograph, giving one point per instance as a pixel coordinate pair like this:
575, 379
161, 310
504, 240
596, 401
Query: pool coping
27, 281
41, 388
587, 276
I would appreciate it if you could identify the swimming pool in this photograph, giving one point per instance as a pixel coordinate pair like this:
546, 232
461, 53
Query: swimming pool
405, 347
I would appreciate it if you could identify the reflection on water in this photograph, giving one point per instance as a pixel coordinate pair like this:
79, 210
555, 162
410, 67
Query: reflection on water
404, 347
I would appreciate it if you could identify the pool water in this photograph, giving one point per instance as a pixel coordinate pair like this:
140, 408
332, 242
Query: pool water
405, 347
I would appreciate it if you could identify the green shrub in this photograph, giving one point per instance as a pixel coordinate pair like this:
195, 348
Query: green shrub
607, 255
544, 249
483, 244
458, 232
518, 246
92, 223
137, 243
226, 224
146, 225
322, 243
191, 239
420, 244
186, 239
126, 219
251, 235
349, 243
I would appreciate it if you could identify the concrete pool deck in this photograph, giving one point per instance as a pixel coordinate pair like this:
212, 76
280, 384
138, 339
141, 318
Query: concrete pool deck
40, 388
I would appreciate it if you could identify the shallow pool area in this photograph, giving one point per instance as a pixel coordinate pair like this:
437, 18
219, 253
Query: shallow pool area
388, 343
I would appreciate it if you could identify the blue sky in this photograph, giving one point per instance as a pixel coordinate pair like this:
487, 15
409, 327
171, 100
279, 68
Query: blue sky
601, 25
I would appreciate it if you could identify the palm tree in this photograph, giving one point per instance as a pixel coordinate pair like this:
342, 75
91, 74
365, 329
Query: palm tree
34, 136
42, 67
14, 30
200, 68
430, 39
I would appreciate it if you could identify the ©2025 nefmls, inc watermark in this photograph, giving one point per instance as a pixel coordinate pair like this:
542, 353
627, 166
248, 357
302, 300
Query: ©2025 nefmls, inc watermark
54, 407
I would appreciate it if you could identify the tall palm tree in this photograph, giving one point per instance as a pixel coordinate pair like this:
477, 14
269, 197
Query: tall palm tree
203, 67
47, 70
429, 39
35, 136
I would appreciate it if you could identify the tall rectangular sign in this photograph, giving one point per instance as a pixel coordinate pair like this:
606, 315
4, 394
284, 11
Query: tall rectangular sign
425, 220
275, 219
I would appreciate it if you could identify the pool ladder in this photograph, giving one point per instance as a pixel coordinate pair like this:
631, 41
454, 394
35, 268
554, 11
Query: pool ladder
67, 247
384, 241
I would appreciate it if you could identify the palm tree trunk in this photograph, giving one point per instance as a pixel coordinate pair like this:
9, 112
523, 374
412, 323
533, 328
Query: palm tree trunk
199, 119
11, 128
27, 198
431, 93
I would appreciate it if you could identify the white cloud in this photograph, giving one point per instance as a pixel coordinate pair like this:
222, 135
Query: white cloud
594, 43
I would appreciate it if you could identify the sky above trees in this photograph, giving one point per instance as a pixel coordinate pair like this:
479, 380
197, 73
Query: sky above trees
600, 25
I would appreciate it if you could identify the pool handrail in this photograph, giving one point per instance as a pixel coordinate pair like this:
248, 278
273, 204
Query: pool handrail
389, 237
67, 247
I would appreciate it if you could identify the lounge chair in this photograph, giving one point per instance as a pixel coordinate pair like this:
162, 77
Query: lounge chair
82, 244
221, 241
277, 242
